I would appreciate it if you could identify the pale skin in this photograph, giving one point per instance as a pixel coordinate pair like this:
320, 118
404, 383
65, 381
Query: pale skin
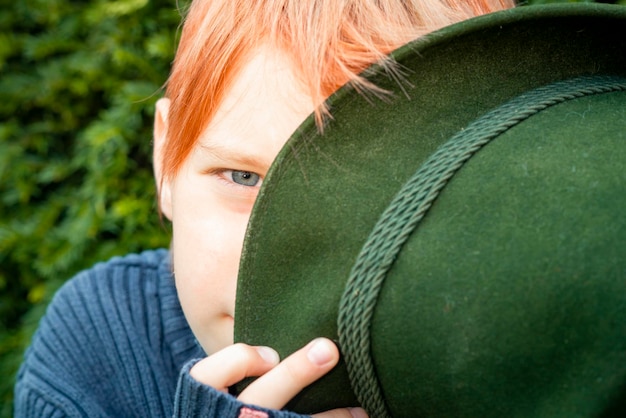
209, 203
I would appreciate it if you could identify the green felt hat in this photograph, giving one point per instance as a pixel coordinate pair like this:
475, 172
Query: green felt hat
463, 241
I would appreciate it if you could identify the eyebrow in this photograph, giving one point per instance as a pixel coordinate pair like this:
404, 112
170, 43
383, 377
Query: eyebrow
230, 156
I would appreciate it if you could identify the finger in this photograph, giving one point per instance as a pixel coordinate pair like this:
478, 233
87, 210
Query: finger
232, 364
343, 413
276, 387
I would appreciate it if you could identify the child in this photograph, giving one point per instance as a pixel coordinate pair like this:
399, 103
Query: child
152, 334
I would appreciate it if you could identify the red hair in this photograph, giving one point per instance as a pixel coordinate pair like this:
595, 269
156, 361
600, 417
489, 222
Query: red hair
329, 42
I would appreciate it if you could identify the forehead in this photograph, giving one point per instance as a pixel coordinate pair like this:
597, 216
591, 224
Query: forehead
265, 104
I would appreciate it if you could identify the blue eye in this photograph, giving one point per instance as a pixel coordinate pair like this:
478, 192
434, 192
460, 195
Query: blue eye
245, 178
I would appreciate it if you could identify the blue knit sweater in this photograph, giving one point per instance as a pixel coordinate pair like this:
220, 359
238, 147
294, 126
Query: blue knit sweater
114, 343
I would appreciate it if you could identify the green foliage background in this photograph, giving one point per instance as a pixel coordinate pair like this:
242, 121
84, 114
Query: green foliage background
77, 89
78, 83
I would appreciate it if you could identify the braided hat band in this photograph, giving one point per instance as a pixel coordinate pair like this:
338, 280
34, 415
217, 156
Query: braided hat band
410, 205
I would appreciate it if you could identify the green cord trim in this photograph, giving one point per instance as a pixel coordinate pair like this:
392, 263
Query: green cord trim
410, 205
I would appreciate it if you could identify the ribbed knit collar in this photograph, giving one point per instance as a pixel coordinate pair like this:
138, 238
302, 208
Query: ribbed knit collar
176, 332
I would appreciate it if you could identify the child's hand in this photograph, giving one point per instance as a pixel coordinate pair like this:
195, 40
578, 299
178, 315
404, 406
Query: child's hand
279, 381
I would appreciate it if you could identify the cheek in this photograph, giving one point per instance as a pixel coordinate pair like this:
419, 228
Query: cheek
207, 243
207, 248
208, 230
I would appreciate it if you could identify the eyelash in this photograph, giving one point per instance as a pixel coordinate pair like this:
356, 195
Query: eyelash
226, 175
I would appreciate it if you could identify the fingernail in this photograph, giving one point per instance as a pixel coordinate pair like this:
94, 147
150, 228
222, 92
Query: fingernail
269, 354
319, 352
357, 412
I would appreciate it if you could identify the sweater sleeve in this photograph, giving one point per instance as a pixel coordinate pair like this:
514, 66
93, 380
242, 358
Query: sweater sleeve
194, 399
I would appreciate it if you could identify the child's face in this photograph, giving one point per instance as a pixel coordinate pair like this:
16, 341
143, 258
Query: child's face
210, 199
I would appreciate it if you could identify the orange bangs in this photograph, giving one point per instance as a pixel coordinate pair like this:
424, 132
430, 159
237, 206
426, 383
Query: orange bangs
329, 42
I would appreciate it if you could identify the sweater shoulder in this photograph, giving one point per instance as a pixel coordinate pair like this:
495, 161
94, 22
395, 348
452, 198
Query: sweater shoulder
147, 259
116, 290
105, 329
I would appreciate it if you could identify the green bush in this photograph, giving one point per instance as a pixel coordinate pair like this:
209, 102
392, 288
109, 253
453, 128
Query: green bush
77, 89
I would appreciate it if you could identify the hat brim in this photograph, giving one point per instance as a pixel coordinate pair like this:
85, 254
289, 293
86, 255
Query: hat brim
325, 193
